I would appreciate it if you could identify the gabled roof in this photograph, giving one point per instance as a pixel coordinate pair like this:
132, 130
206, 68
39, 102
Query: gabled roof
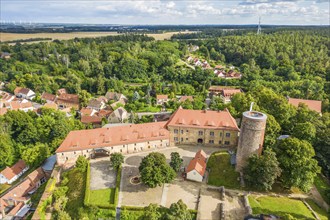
230, 92
162, 96
86, 119
14, 170
198, 163
119, 135
184, 98
203, 119
314, 105
71, 98
87, 111
48, 97
95, 103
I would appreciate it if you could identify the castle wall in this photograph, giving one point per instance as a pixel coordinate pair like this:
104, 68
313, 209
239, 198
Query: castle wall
71, 156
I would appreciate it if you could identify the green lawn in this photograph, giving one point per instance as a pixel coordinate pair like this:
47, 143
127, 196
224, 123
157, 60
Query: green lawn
322, 186
76, 192
4, 187
323, 215
102, 197
279, 206
222, 173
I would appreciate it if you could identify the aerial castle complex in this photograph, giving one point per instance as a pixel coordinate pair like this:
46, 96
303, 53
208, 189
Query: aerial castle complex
251, 137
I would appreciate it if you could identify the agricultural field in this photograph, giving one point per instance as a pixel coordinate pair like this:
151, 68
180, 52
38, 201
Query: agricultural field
66, 36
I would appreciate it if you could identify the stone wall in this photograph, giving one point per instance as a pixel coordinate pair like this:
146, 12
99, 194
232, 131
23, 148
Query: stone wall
71, 156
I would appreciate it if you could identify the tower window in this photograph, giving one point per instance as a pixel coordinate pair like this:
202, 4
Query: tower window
227, 134
200, 132
212, 133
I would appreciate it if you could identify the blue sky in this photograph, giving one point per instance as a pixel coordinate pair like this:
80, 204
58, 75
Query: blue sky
294, 12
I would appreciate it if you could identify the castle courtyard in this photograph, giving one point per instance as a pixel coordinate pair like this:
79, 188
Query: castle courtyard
140, 195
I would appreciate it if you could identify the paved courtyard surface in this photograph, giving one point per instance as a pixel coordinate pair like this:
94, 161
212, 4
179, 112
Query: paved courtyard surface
140, 195
102, 176
209, 205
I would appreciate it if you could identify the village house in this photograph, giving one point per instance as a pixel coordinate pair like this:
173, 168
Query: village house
122, 139
208, 128
94, 120
104, 113
48, 98
19, 105
65, 100
5, 97
10, 174
313, 105
96, 104
226, 93
119, 115
14, 204
24, 93
195, 170
87, 112
186, 97
116, 97
162, 99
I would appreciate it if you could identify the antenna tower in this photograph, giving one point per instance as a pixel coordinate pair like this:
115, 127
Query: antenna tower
259, 27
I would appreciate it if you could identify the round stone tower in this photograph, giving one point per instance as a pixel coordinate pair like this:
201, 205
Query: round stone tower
251, 137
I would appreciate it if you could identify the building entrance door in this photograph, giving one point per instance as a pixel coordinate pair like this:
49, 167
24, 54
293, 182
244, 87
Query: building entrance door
200, 140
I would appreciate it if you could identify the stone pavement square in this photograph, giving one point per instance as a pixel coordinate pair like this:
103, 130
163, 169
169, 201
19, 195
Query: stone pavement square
102, 175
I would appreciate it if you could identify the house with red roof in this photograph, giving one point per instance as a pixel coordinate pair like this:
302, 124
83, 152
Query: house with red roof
195, 170
14, 203
203, 127
24, 93
10, 174
161, 99
123, 139
313, 105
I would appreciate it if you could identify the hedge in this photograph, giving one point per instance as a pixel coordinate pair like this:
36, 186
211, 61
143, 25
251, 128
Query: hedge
117, 189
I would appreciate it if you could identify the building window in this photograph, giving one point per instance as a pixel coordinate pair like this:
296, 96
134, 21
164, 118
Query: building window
134, 144
176, 131
181, 131
74, 152
186, 139
220, 134
200, 132
220, 142
62, 154
111, 148
211, 141
227, 142
176, 139
121, 150
87, 151
227, 134
123, 146
187, 130
181, 139
211, 133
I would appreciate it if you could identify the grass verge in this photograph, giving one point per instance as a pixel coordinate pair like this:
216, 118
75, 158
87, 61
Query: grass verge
322, 186
323, 215
102, 197
279, 206
222, 173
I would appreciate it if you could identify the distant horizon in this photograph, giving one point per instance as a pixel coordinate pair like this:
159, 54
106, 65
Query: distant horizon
109, 24
168, 12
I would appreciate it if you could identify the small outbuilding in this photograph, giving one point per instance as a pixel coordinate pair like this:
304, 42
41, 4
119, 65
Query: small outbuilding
196, 169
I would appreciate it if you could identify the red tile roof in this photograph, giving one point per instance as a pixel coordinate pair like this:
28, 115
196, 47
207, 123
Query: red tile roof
71, 98
86, 119
198, 163
162, 97
104, 137
311, 104
48, 97
184, 98
203, 119
86, 111
230, 92
16, 169
104, 113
